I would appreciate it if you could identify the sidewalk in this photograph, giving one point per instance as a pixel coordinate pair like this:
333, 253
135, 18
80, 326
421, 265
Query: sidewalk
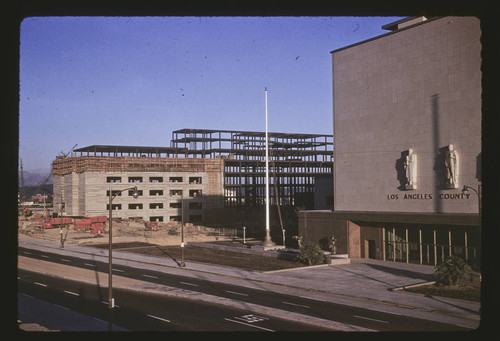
363, 283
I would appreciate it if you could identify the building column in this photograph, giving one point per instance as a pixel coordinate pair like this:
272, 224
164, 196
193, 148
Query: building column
435, 247
465, 247
420, 244
407, 247
383, 243
449, 243
393, 244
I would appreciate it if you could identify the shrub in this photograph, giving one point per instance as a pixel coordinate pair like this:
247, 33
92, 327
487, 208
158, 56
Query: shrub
311, 255
452, 271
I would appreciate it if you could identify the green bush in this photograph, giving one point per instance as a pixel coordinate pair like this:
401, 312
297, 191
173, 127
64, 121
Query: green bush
452, 271
311, 255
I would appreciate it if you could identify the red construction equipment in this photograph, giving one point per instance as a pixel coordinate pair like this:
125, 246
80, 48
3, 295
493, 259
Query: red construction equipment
82, 224
96, 224
55, 222
151, 226
98, 228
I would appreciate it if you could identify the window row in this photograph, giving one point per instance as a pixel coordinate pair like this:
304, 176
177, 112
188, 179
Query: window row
158, 205
193, 218
193, 193
154, 179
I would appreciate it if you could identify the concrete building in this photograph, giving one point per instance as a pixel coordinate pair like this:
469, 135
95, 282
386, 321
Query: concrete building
84, 181
407, 136
220, 175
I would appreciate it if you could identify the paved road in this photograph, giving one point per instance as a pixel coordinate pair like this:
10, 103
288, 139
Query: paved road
351, 316
76, 306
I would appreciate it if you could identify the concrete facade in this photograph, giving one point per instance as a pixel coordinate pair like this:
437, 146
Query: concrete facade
403, 103
85, 192
417, 88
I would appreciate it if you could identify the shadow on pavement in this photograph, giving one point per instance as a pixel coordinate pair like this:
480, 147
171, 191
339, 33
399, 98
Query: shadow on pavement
402, 272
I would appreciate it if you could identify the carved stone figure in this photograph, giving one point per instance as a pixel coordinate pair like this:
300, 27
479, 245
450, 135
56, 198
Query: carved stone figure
451, 165
410, 166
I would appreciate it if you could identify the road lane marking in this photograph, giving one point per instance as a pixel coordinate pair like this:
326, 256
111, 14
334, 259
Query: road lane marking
367, 318
250, 325
71, 293
66, 260
88, 264
118, 270
236, 293
27, 253
150, 276
40, 284
297, 305
107, 303
44, 256
192, 284
159, 318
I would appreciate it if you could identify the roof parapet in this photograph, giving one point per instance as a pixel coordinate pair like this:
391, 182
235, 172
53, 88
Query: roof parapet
409, 21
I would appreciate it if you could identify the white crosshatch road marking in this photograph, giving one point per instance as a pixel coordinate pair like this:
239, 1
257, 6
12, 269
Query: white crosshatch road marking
251, 318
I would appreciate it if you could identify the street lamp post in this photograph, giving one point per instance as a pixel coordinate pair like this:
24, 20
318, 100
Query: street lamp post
182, 264
111, 302
61, 225
182, 231
465, 190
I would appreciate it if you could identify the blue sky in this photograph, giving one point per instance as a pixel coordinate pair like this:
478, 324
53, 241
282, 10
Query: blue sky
133, 80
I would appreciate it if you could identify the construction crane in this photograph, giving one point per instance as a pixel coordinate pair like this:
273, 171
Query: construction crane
61, 155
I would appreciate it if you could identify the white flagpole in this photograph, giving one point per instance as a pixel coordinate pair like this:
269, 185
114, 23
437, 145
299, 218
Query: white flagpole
267, 170
267, 241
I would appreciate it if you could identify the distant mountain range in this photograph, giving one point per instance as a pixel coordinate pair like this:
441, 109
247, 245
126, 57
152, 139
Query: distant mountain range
29, 191
34, 177
32, 180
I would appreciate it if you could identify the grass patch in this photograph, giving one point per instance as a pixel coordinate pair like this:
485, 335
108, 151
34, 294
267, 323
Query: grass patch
210, 256
463, 292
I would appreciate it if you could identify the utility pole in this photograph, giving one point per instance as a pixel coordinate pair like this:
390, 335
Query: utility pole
22, 182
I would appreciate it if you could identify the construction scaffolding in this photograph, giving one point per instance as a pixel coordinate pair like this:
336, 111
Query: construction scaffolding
295, 161
130, 164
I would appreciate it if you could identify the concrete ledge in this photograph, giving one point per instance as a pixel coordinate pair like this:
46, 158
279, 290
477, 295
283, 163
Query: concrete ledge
267, 248
338, 259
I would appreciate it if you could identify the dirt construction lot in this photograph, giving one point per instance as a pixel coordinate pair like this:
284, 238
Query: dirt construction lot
131, 236
124, 231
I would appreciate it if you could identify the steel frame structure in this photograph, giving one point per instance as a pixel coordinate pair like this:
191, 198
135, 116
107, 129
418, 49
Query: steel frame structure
295, 161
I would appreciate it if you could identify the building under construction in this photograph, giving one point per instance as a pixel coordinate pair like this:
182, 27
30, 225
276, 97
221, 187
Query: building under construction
296, 162
203, 172
170, 188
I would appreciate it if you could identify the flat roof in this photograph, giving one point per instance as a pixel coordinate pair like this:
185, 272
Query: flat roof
129, 149
390, 26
